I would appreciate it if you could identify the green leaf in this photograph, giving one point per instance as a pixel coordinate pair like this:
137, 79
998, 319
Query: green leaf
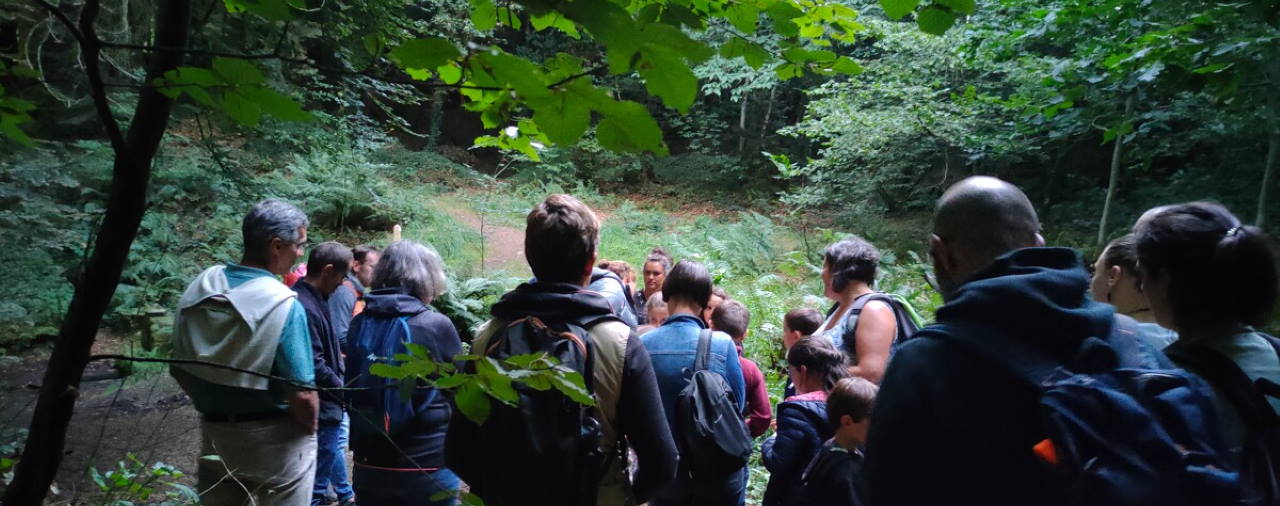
961, 6
274, 10
277, 105
450, 73
237, 71
935, 20
9, 127
788, 71
245, 111
384, 370
743, 16
452, 381
570, 383
631, 129
896, 9
555, 20
424, 54
498, 383
564, 123
669, 78
783, 15
484, 15
752, 53
847, 66
473, 403
508, 17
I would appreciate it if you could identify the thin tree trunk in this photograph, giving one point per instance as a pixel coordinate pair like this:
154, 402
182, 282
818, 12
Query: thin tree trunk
1117, 156
742, 126
125, 207
768, 113
1273, 158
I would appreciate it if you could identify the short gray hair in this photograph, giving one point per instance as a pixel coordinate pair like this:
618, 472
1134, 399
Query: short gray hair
270, 219
414, 267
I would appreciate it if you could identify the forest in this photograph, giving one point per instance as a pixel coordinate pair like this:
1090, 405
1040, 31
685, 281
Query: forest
745, 134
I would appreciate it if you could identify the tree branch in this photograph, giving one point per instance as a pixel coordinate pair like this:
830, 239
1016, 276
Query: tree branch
90, 47
66, 21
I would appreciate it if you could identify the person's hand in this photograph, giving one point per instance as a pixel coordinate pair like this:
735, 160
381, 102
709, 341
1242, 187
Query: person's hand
773, 424
304, 408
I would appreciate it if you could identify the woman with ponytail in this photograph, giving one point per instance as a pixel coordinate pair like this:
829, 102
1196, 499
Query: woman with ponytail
866, 335
815, 366
1214, 281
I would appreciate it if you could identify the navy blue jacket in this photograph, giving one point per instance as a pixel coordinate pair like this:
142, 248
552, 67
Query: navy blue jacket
325, 348
421, 445
949, 427
802, 428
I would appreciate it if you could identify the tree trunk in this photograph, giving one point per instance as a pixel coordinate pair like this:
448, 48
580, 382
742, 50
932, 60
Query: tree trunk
1117, 155
1273, 157
126, 204
742, 127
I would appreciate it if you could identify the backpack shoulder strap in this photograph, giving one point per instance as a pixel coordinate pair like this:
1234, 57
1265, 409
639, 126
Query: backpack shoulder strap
1235, 385
704, 350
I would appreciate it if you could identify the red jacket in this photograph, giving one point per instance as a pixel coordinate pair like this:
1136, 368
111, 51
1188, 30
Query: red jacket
759, 412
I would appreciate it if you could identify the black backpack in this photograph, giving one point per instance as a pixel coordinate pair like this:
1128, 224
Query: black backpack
1119, 430
546, 450
711, 434
907, 319
1260, 460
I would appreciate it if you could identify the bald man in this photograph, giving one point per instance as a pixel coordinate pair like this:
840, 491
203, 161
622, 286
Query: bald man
950, 425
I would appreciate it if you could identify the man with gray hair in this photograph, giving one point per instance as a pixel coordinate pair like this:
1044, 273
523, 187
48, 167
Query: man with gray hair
258, 415
951, 424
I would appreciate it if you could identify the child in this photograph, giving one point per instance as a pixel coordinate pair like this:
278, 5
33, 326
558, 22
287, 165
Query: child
732, 317
815, 366
798, 323
834, 476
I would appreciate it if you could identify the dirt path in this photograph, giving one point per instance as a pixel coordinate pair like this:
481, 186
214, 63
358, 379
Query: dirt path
503, 245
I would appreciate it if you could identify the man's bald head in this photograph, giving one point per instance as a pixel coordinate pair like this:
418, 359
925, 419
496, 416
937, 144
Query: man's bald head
980, 218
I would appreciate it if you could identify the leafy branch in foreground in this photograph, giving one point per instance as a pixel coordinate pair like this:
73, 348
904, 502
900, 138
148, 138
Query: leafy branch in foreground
492, 378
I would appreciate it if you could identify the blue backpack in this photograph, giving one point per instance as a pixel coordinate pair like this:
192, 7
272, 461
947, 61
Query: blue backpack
1121, 428
381, 405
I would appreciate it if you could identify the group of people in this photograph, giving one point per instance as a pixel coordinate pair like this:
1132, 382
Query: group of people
873, 412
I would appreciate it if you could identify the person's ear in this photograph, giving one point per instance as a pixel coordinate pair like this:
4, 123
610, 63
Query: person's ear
938, 250
1114, 274
591, 263
846, 421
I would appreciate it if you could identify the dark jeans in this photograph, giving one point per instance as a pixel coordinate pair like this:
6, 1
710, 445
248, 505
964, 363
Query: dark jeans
685, 491
331, 463
376, 487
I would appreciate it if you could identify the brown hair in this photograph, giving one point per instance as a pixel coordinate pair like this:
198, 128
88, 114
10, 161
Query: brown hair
851, 396
803, 320
731, 317
819, 356
560, 237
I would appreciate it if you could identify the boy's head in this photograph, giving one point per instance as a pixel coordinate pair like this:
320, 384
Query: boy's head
731, 317
656, 309
798, 323
560, 239
849, 407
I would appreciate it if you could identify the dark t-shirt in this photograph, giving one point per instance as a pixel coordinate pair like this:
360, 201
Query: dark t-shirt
832, 478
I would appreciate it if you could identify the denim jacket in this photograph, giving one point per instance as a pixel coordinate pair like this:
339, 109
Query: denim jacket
672, 348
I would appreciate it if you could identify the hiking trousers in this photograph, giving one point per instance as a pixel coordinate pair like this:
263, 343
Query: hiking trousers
262, 463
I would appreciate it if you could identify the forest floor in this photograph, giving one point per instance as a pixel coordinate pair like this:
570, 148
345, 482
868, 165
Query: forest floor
145, 414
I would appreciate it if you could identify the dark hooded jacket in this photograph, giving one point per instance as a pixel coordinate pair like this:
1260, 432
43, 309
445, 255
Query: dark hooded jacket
640, 417
420, 445
949, 427
802, 428
325, 349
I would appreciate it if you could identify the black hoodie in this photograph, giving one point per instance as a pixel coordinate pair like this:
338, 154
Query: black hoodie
641, 419
950, 427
